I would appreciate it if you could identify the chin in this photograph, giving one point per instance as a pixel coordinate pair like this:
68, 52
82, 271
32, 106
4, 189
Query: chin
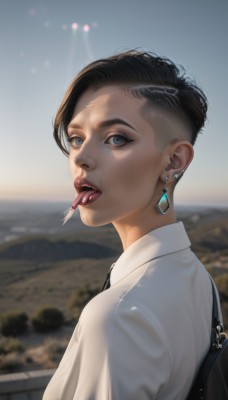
93, 220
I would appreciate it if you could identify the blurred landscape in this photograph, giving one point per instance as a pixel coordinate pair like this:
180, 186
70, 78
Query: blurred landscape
44, 265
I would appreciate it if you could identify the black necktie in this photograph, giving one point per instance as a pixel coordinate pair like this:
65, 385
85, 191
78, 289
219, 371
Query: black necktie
106, 283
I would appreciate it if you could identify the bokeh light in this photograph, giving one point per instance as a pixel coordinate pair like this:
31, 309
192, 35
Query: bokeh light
86, 28
47, 24
46, 64
74, 26
32, 12
33, 71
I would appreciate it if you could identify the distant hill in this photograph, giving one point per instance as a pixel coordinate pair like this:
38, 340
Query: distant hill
43, 249
207, 229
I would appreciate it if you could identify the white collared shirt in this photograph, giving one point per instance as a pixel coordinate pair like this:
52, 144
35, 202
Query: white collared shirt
145, 337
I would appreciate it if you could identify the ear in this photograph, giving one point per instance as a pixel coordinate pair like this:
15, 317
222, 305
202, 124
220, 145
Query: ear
180, 156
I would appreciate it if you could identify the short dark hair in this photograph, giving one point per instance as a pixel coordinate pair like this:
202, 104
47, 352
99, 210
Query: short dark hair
156, 78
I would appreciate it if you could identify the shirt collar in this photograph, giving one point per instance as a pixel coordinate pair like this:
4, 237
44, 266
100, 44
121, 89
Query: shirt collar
159, 242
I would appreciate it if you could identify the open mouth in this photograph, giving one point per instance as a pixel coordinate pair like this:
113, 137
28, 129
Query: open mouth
86, 188
87, 193
81, 184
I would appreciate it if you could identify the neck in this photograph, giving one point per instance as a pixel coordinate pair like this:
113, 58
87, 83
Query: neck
133, 228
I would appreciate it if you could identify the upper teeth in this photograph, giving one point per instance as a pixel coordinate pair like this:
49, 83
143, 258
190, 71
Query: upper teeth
87, 186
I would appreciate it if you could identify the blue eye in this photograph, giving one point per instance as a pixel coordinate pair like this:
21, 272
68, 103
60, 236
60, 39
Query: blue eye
75, 141
118, 140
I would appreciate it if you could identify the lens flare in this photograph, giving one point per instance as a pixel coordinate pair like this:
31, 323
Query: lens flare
74, 26
80, 37
86, 28
32, 12
33, 71
47, 24
46, 64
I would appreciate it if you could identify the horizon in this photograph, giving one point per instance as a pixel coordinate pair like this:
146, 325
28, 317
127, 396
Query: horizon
65, 202
26, 218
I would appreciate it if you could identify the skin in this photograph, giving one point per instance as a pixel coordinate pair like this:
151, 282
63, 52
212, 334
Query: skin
130, 174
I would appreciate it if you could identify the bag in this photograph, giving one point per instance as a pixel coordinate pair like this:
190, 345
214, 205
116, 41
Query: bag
211, 382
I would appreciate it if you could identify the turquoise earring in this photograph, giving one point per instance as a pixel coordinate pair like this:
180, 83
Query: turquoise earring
163, 203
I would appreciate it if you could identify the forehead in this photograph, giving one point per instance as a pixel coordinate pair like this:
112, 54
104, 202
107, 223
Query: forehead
96, 105
108, 100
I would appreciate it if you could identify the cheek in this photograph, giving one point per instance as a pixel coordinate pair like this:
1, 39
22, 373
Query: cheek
71, 164
137, 171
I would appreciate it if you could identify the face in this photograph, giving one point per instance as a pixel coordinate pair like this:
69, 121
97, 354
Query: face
115, 148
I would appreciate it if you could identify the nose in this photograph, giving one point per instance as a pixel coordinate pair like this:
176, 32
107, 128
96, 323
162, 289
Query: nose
85, 159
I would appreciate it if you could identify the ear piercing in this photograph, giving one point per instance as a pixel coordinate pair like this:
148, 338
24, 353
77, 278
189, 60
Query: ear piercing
177, 174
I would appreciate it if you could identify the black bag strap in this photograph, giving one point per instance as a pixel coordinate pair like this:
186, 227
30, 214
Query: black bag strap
217, 326
212, 366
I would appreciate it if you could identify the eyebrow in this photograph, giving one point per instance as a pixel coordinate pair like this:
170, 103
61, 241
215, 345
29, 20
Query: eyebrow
107, 124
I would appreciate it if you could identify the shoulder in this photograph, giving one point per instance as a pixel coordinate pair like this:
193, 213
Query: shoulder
120, 331
124, 321
119, 308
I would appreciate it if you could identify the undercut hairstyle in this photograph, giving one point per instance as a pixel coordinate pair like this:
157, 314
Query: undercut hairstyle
145, 75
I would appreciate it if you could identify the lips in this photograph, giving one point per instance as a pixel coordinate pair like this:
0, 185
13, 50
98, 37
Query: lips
81, 184
87, 192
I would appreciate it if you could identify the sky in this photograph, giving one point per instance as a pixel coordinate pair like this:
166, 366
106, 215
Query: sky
44, 44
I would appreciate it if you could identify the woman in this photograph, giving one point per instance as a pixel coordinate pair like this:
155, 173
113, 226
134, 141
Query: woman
130, 122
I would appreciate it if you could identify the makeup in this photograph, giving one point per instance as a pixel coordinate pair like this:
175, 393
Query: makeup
88, 193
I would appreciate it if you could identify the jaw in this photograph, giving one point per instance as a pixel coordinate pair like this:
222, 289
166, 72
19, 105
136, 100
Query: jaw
137, 225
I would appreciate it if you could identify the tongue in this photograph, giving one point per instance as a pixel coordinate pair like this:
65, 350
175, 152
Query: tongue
83, 198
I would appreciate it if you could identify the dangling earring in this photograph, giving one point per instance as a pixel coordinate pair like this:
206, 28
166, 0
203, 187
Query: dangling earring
164, 203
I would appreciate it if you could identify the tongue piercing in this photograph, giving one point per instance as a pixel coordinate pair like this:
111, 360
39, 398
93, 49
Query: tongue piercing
68, 215
71, 211
83, 198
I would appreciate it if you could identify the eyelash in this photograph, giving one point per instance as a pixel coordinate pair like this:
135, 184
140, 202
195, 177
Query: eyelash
126, 139
113, 135
70, 140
